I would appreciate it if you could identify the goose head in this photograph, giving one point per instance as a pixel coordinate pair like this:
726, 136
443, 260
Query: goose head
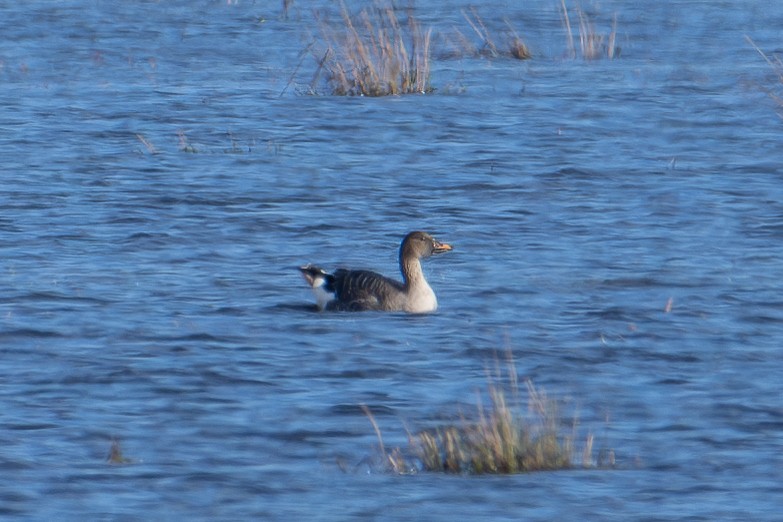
419, 245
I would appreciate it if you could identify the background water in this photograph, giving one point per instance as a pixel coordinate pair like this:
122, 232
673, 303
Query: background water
163, 172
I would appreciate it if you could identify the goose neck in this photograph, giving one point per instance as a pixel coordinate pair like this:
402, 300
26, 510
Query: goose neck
411, 271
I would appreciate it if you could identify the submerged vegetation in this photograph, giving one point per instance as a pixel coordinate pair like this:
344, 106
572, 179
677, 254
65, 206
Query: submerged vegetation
498, 439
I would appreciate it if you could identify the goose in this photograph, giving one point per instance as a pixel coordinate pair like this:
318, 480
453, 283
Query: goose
359, 290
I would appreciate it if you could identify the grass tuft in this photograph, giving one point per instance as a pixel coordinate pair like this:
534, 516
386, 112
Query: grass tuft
373, 53
592, 44
519, 49
499, 439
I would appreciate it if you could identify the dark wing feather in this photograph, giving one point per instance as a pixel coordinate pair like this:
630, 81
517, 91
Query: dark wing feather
364, 290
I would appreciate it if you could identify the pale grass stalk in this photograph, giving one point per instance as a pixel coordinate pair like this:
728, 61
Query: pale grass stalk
587, 452
397, 61
394, 458
362, 64
147, 143
464, 46
423, 63
591, 43
477, 24
569, 33
612, 38
775, 64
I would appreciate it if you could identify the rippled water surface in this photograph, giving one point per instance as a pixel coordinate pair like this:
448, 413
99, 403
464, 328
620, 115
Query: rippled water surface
618, 227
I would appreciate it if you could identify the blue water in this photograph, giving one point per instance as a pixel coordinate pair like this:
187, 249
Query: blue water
164, 172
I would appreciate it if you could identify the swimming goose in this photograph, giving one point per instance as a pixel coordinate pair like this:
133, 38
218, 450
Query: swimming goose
357, 290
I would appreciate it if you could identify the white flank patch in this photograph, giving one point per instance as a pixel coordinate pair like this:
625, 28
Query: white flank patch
322, 295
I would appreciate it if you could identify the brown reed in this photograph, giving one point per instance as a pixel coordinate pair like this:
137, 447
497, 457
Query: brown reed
373, 54
517, 46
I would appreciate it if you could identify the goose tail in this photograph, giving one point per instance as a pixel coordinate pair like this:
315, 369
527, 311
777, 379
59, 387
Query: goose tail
321, 282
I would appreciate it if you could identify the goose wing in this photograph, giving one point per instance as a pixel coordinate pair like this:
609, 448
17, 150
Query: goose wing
366, 290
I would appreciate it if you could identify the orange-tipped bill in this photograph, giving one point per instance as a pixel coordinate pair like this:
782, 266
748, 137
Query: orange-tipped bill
441, 247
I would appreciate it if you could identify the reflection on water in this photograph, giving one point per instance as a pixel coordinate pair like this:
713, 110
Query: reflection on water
614, 223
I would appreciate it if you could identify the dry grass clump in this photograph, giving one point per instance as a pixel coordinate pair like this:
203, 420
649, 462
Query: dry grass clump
500, 440
519, 49
592, 45
374, 54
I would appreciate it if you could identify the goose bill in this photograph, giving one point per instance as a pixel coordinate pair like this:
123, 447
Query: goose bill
441, 247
